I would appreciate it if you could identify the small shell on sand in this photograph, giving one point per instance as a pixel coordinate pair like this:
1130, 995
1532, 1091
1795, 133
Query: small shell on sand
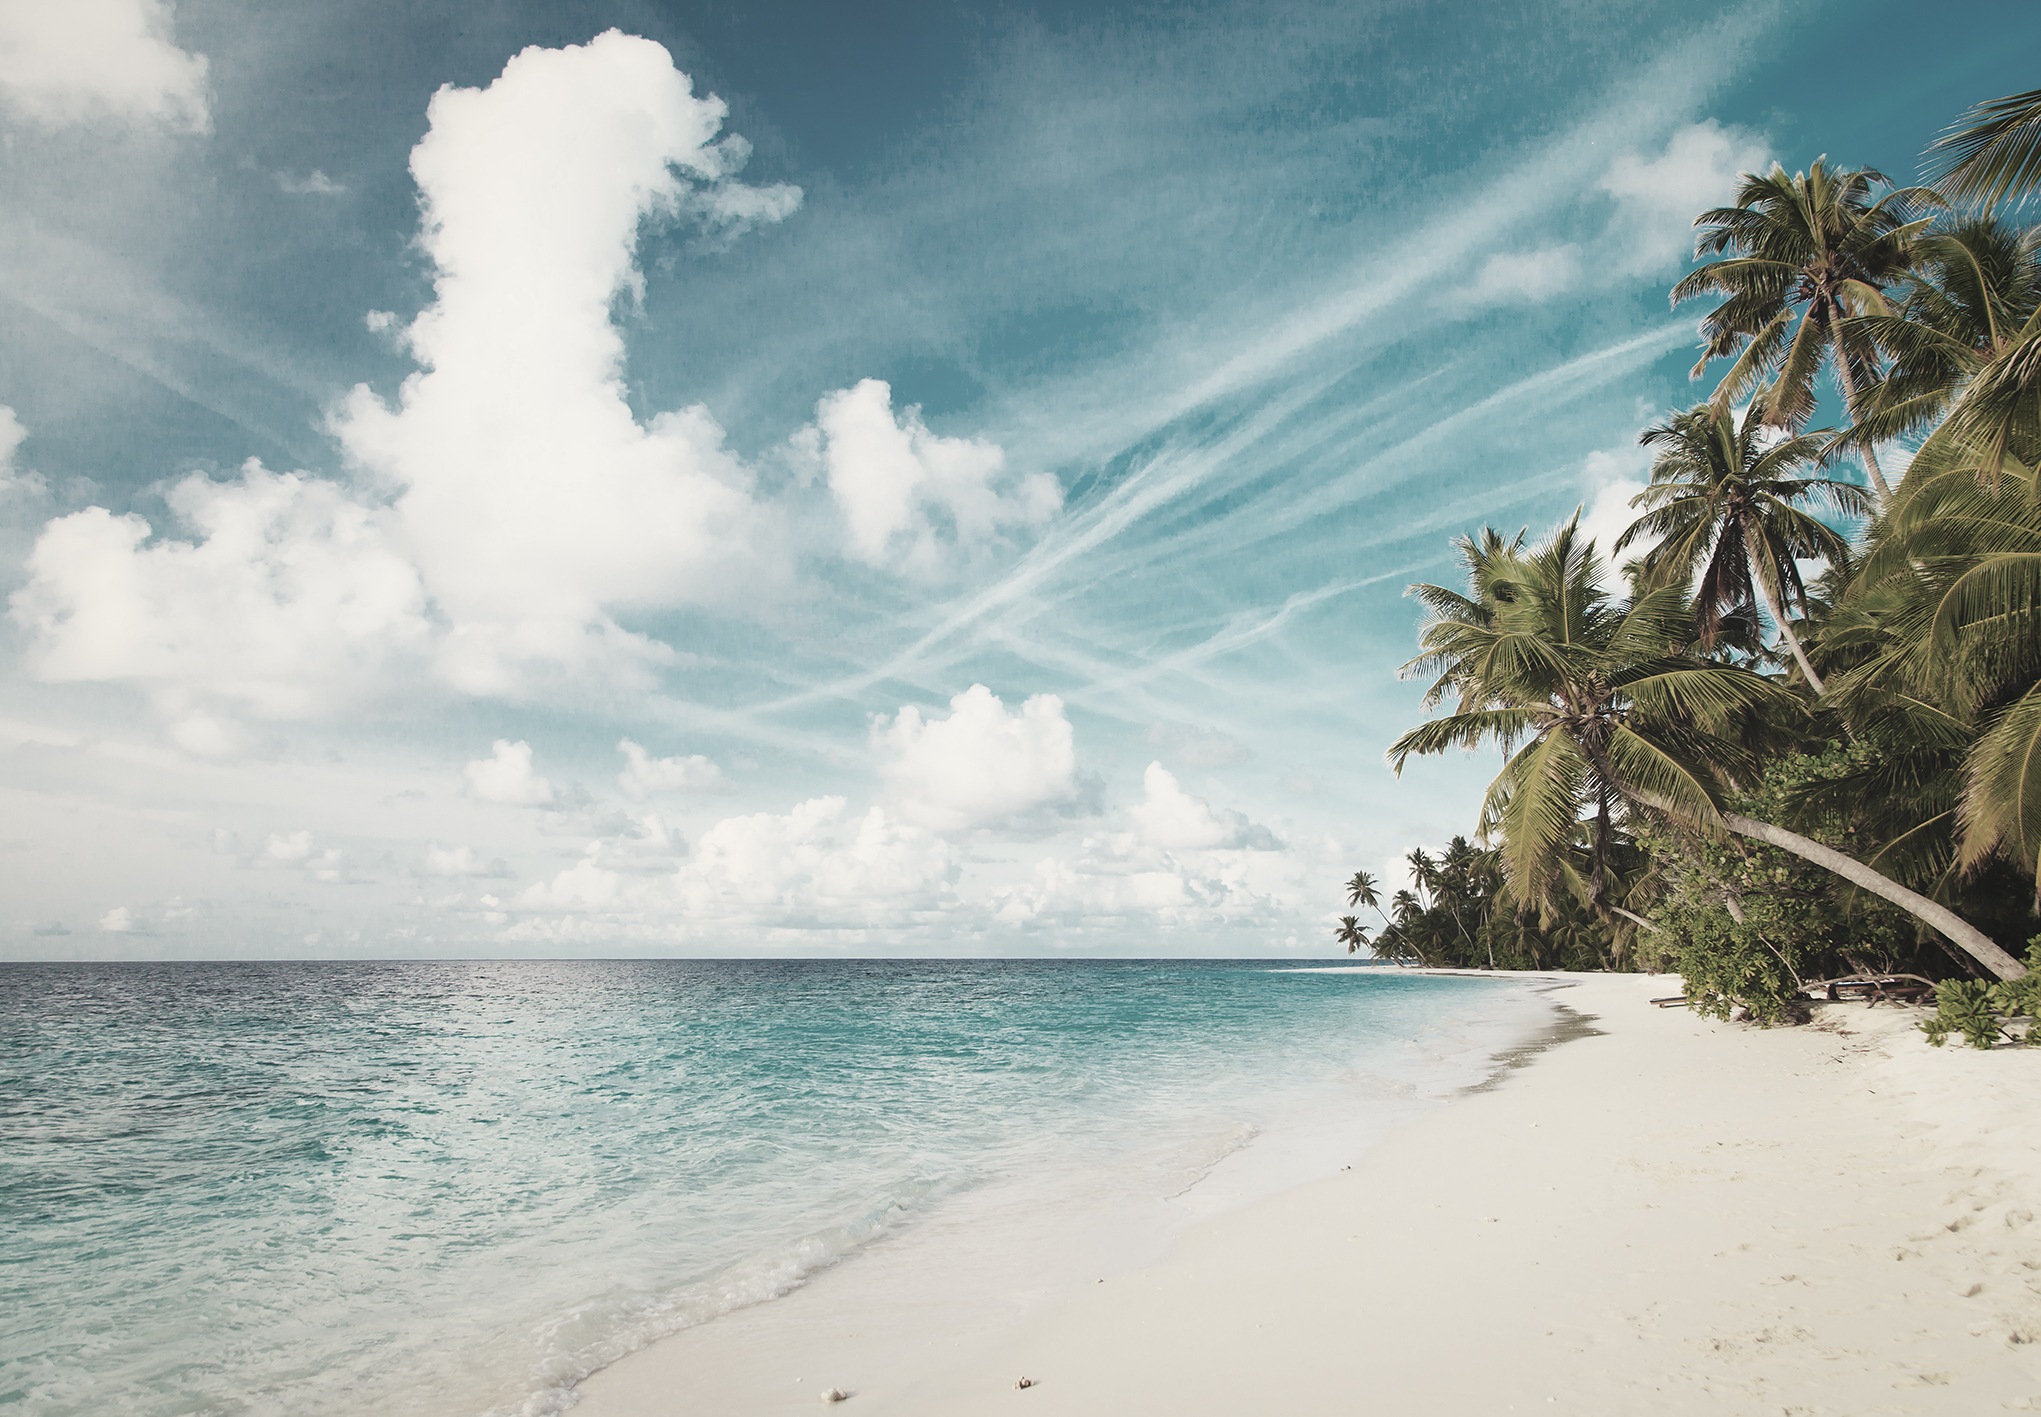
835, 1394
1030, 1382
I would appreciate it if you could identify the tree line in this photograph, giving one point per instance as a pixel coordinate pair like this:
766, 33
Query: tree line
1797, 734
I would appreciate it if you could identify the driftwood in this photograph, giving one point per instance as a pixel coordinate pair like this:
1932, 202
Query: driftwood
1873, 987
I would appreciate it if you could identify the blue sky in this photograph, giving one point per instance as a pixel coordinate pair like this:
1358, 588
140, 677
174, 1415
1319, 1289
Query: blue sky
951, 491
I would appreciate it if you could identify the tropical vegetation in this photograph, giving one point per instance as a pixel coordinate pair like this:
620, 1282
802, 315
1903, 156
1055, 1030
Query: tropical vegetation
1797, 736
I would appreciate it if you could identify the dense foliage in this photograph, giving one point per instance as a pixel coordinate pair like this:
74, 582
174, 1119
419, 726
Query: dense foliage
1761, 778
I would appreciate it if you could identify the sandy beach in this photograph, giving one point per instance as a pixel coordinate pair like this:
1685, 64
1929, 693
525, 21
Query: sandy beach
1659, 1213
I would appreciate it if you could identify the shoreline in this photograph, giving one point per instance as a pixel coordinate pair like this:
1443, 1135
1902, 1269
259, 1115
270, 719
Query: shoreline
991, 1259
1667, 1214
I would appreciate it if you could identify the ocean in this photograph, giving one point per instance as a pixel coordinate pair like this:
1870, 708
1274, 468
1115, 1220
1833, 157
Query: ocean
459, 1187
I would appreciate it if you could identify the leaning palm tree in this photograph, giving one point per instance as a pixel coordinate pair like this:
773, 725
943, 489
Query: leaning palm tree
1727, 501
1363, 890
1601, 712
1993, 152
1800, 253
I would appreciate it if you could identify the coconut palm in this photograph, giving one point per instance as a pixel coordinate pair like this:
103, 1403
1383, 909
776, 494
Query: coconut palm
1993, 152
1971, 297
1424, 874
1600, 712
1351, 933
1363, 890
1727, 501
1800, 254
1945, 613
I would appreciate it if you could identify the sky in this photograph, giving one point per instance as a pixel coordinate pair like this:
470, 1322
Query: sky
610, 477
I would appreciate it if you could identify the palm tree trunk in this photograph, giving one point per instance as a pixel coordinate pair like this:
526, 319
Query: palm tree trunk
1842, 371
1778, 614
1968, 937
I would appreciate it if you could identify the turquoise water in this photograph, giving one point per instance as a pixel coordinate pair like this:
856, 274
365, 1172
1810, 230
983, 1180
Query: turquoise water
449, 1188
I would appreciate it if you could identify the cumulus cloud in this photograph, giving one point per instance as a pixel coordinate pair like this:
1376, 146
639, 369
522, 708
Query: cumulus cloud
288, 600
910, 497
512, 500
506, 778
534, 500
982, 764
1657, 198
1170, 818
1609, 479
117, 921
644, 775
297, 849
77, 61
815, 863
816, 866
1118, 878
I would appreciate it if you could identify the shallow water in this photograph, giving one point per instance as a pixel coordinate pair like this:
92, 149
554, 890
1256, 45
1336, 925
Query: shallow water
453, 1187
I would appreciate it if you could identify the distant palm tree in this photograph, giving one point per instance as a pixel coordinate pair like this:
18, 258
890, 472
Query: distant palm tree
1726, 500
1424, 874
1993, 152
1362, 890
1599, 710
1351, 933
1803, 252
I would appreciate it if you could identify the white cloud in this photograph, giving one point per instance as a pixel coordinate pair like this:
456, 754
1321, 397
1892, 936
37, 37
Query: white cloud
1524, 277
1170, 818
644, 774
313, 184
288, 601
815, 864
290, 850
814, 867
1117, 878
1649, 232
528, 502
982, 764
909, 496
297, 849
459, 861
1657, 198
533, 499
1609, 479
75, 61
15, 479
505, 777
117, 921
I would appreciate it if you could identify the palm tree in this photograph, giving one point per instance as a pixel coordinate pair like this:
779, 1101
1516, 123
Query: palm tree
1601, 712
1947, 601
1351, 933
1973, 293
1424, 874
1361, 890
1803, 252
1727, 500
1993, 152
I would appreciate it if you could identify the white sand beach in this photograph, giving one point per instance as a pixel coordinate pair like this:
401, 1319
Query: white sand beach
1667, 1215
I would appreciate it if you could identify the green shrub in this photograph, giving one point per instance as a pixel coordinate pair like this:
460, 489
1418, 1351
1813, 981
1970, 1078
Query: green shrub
1980, 1011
